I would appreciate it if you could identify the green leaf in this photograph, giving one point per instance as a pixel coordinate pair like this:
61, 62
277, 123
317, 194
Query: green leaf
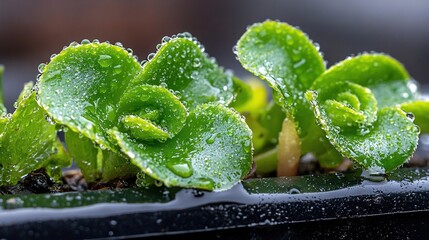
96, 163
253, 100
420, 111
26, 90
213, 151
3, 110
243, 92
272, 118
381, 143
349, 105
26, 141
284, 57
151, 113
60, 158
386, 77
290, 63
81, 87
387, 80
182, 66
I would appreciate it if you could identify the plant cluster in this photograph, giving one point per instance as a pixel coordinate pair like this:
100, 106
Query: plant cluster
175, 118
362, 108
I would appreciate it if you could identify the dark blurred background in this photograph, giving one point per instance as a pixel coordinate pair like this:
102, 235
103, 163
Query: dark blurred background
30, 31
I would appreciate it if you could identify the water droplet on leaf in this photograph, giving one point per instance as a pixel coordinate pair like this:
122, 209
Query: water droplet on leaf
180, 168
105, 60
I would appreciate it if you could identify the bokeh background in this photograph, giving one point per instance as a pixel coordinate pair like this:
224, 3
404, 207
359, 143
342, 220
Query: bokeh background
30, 31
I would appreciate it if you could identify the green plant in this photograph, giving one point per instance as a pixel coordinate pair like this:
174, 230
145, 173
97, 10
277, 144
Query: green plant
27, 141
172, 119
358, 104
167, 117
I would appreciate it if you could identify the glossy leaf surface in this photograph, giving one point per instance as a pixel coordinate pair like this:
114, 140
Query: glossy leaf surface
151, 113
384, 76
81, 86
27, 141
182, 66
380, 142
284, 57
213, 151
96, 163
419, 110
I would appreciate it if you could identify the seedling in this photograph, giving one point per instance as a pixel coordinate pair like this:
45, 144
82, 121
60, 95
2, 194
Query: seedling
167, 117
171, 118
355, 109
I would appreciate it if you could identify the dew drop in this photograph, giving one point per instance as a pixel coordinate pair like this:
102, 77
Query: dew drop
410, 116
187, 35
235, 49
299, 63
117, 69
41, 67
85, 41
197, 62
294, 191
262, 70
150, 56
180, 168
73, 44
166, 39
211, 139
105, 60
206, 183
317, 46
158, 183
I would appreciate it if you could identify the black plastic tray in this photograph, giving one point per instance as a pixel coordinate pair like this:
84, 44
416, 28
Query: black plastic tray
340, 206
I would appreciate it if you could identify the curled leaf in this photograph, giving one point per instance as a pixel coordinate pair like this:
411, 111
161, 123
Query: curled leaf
380, 146
151, 113
213, 151
383, 75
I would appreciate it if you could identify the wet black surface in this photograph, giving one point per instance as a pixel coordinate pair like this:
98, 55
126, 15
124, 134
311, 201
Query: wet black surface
342, 206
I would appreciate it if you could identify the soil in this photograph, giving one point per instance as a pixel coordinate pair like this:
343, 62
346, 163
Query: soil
73, 180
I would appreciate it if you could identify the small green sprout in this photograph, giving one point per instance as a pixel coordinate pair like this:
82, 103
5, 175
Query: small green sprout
28, 141
353, 110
